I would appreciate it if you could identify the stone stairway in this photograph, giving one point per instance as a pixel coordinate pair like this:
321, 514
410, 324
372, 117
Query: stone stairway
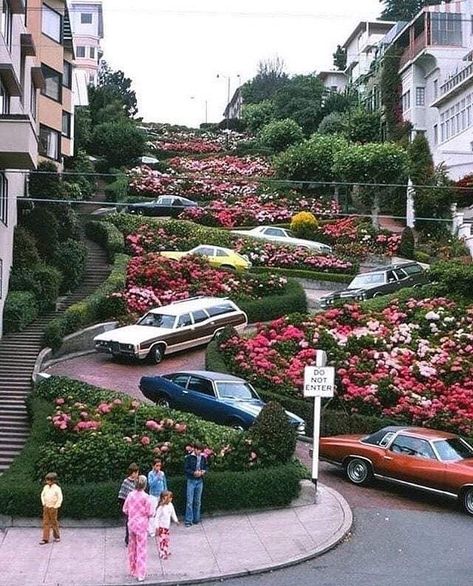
18, 354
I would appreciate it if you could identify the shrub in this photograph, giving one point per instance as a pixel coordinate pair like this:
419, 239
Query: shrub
452, 278
334, 123
118, 189
68, 222
304, 224
422, 257
70, 259
25, 252
255, 116
306, 274
273, 434
407, 244
106, 235
45, 182
21, 308
274, 306
44, 226
44, 281
121, 143
278, 135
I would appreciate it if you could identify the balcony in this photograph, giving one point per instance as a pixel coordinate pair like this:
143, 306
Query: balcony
455, 80
418, 45
18, 142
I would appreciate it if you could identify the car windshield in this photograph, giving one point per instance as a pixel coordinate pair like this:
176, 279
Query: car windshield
367, 280
235, 390
157, 320
453, 449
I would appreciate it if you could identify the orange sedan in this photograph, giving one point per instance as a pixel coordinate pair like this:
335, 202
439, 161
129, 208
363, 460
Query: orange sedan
417, 457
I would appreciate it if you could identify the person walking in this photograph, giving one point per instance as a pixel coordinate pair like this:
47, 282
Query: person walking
126, 487
165, 513
138, 509
195, 468
157, 483
51, 499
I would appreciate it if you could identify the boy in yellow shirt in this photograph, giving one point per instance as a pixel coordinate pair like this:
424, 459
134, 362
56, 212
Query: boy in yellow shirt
51, 498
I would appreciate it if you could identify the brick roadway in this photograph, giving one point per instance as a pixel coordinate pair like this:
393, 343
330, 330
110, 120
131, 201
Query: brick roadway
101, 370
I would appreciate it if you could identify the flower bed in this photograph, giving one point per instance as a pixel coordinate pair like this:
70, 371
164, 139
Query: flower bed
412, 360
224, 166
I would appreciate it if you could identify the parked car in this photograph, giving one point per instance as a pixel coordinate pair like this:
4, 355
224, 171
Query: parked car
218, 397
284, 236
218, 257
416, 457
170, 328
380, 281
165, 205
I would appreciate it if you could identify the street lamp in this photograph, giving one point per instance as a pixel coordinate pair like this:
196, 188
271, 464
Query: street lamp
227, 115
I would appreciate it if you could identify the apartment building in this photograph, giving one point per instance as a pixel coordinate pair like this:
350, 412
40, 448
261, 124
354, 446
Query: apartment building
333, 80
50, 27
21, 79
87, 27
436, 67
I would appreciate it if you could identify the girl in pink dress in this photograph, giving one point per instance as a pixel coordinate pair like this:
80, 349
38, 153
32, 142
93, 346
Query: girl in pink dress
138, 507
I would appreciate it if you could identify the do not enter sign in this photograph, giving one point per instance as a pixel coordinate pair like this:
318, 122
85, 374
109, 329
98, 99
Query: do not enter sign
319, 381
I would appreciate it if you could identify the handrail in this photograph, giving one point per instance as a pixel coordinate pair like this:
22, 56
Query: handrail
456, 79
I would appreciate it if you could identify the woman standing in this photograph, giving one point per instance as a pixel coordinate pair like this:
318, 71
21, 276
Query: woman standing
139, 509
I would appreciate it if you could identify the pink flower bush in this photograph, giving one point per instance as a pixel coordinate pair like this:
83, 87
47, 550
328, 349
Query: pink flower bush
413, 360
227, 166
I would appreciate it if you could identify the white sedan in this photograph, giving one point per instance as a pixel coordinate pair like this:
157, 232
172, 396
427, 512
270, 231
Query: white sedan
284, 236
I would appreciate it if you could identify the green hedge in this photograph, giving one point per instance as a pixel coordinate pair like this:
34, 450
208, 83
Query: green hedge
43, 280
89, 310
224, 491
274, 306
71, 260
334, 422
305, 274
117, 190
21, 308
106, 235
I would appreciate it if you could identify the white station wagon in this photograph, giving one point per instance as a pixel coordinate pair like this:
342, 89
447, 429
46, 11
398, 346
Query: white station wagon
170, 328
284, 236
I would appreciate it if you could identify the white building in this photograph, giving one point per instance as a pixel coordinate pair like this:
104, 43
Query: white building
87, 27
437, 81
20, 79
235, 105
333, 80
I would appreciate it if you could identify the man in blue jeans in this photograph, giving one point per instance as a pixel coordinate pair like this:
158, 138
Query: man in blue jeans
195, 468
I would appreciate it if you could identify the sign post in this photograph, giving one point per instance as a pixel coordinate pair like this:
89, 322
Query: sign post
319, 381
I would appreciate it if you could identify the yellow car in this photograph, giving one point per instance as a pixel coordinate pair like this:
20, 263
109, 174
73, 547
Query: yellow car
218, 257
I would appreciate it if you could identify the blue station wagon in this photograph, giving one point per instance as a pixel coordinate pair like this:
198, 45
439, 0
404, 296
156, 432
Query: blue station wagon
214, 396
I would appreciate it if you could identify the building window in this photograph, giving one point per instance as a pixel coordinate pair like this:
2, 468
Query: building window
436, 88
3, 199
446, 29
80, 53
49, 142
6, 22
66, 124
420, 96
4, 99
33, 100
86, 18
53, 83
51, 24
406, 101
67, 75
436, 134
92, 53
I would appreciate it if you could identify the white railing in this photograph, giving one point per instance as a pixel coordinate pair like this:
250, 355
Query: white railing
456, 79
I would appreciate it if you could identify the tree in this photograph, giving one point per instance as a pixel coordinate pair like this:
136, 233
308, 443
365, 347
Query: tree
404, 9
281, 134
339, 101
379, 164
82, 129
301, 99
273, 437
45, 182
334, 123
270, 77
340, 58
255, 116
357, 126
121, 143
312, 160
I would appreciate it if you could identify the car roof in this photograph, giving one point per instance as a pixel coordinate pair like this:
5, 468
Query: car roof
397, 265
424, 432
179, 307
215, 246
210, 375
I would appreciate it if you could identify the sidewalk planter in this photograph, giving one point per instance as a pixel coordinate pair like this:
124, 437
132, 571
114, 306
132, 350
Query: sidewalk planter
90, 435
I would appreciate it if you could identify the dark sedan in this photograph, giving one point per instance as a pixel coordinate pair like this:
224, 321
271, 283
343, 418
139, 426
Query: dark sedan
218, 397
379, 282
165, 205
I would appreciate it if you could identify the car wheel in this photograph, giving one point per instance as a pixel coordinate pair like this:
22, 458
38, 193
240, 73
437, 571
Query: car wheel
157, 354
377, 295
467, 500
358, 471
228, 267
217, 334
236, 424
164, 402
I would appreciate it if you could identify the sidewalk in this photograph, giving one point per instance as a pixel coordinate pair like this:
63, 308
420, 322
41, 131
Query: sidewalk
224, 546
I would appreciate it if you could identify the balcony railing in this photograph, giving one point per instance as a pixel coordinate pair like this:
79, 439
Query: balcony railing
413, 50
456, 79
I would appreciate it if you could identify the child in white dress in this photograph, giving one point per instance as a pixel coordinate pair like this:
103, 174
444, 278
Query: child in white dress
165, 513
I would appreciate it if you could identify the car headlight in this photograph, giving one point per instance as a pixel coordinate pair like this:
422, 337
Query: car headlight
102, 343
301, 428
128, 346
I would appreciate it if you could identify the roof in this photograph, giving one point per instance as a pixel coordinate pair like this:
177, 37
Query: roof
211, 375
192, 304
425, 432
324, 74
395, 265
381, 25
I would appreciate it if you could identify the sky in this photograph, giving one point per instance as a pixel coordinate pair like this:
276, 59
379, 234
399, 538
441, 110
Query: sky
174, 49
